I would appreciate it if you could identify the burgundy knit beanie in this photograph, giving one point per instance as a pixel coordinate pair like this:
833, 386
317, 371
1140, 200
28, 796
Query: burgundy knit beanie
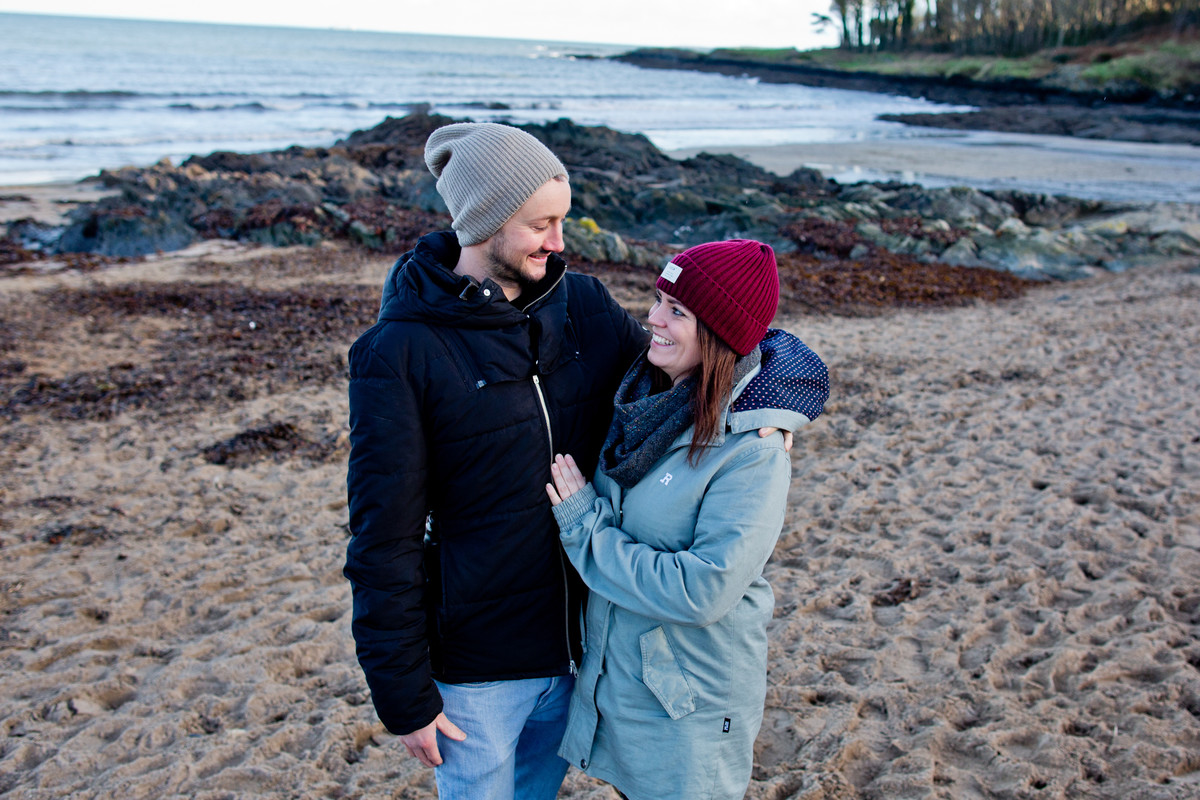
732, 287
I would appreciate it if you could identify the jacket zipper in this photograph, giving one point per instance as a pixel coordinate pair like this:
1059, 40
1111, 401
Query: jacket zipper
567, 615
537, 388
544, 294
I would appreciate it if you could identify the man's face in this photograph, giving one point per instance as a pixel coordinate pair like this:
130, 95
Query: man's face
516, 254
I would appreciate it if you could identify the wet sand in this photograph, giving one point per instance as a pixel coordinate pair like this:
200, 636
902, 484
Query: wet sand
47, 202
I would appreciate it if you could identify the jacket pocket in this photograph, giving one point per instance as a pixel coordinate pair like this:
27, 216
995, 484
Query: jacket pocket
663, 676
460, 358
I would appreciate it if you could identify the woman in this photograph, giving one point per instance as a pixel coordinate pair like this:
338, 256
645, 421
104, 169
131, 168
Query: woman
671, 539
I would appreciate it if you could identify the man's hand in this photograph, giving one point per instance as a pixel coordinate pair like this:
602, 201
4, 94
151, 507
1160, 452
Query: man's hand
787, 437
423, 743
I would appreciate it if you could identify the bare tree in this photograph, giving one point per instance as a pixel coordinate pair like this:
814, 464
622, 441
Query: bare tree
1006, 27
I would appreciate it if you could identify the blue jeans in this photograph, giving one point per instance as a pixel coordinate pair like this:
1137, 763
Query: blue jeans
513, 732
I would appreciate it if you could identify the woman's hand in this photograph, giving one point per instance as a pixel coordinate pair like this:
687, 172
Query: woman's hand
567, 479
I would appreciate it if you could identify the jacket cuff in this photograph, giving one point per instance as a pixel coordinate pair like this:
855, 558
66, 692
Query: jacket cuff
568, 513
402, 718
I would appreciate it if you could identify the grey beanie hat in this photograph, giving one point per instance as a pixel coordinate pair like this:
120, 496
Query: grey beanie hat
485, 172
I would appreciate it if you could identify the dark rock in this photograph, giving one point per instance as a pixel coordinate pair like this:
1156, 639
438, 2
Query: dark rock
225, 161
29, 234
620, 180
1047, 210
373, 189
807, 182
627, 154
405, 132
1109, 122
956, 205
126, 230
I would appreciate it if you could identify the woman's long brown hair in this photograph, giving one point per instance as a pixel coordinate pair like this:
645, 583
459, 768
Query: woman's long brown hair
714, 384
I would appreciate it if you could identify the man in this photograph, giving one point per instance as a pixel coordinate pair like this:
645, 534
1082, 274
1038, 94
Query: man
487, 359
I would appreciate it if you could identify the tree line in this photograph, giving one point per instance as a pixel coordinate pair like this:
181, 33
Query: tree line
997, 27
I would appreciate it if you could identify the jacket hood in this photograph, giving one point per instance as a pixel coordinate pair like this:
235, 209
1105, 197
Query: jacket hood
422, 286
788, 390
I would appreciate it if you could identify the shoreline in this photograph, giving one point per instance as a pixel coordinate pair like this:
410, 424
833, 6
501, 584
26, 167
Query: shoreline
49, 203
1112, 171
954, 90
1012, 105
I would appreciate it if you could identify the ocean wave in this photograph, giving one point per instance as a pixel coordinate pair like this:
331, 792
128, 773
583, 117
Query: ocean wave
6, 108
199, 139
120, 94
289, 106
495, 105
251, 106
393, 106
194, 105
72, 95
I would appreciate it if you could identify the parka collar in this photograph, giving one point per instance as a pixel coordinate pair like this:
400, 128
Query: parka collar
423, 286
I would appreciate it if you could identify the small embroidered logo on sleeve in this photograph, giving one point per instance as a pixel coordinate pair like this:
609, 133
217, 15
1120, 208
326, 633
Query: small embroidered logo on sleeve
725, 727
666, 479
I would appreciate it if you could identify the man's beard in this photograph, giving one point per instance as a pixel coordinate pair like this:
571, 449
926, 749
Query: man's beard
506, 267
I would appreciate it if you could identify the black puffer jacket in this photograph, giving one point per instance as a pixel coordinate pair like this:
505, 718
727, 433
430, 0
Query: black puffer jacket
458, 399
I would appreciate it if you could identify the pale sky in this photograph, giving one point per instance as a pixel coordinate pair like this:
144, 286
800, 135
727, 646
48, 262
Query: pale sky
702, 24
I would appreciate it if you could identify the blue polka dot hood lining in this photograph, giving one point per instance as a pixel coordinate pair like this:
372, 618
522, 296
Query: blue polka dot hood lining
796, 380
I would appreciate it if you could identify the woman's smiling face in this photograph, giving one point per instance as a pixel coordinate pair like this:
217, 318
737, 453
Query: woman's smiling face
674, 343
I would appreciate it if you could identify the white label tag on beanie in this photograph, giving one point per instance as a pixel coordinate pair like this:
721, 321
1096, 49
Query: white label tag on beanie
671, 271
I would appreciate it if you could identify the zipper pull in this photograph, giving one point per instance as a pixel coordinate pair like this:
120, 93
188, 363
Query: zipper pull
574, 669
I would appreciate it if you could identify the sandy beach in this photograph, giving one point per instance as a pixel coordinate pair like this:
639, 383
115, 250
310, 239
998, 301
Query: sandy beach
986, 585
1052, 164
48, 202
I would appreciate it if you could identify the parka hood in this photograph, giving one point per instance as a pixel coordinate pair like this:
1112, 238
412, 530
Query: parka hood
790, 391
786, 390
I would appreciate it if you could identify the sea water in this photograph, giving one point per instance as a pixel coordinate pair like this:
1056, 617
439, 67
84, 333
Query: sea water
77, 95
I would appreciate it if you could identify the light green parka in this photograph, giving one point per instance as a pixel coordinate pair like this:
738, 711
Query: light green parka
670, 694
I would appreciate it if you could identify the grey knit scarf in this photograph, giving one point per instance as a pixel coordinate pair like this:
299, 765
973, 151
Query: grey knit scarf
645, 424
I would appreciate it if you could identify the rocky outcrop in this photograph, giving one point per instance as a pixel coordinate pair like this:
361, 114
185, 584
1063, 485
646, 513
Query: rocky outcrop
367, 186
632, 204
1033, 236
